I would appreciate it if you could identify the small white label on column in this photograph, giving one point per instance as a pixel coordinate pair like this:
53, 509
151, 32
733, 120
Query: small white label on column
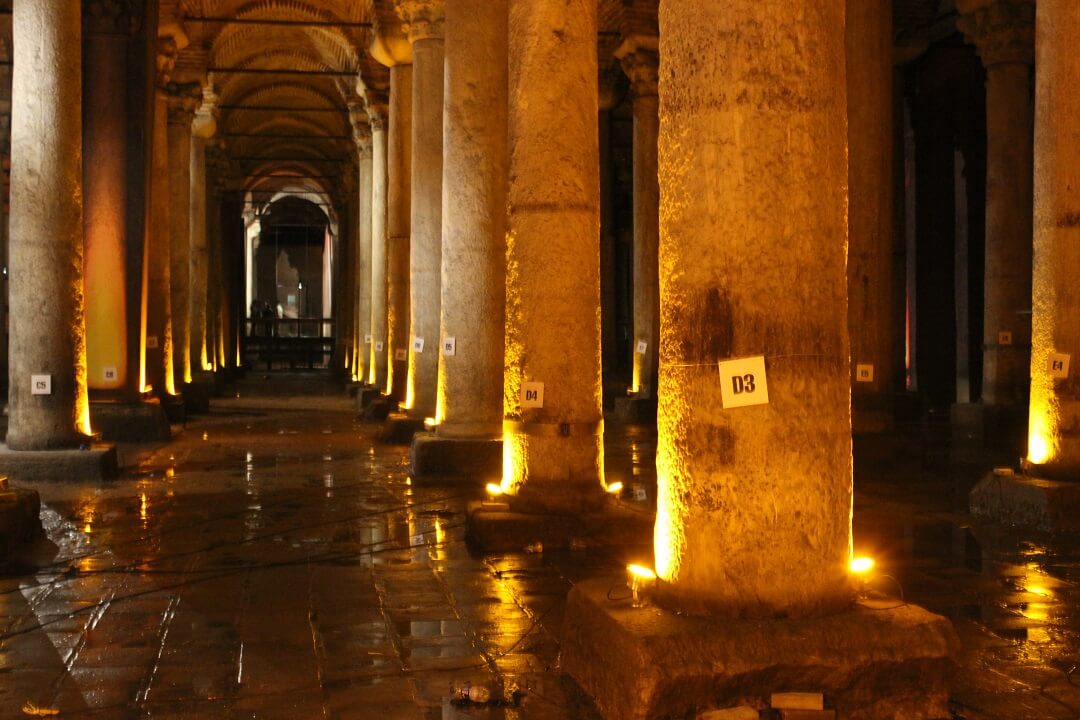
532, 395
41, 384
418, 344
1004, 337
1058, 365
449, 346
110, 374
378, 346
742, 382
367, 339
864, 373
151, 342
401, 354
642, 346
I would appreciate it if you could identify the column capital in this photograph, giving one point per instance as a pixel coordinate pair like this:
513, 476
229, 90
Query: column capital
183, 99
422, 19
361, 129
377, 102
611, 78
205, 123
390, 45
109, 18
1003, 31
639, 56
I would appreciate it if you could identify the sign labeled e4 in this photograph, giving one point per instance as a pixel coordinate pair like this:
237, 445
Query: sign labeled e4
742, 382
1057, 364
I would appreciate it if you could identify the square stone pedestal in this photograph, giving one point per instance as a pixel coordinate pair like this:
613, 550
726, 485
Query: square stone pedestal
878, 660
197, 394
365, 396
1007, 497
20, 521
173, 405
399, 428
490, 530
130, 422
96, 463
439, 460
379, 408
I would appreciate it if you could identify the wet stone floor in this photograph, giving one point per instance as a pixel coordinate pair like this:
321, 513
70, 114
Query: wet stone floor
274, 561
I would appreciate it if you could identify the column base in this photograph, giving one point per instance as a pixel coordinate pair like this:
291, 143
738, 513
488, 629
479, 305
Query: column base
173, 405
365, 396
634, 411
399, 428
440, 460
985, 434
1006, 497
879, 659
20, 521
98, 462
493, 527
197, 394
143, 421
379, 408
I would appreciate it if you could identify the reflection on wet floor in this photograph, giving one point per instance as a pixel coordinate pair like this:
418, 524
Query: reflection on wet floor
274, 562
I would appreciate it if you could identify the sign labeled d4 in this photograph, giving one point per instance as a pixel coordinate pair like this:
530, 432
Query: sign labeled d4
742, 382
532, 395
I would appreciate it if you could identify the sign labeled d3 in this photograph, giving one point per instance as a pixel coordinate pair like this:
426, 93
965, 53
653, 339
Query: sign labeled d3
742, 382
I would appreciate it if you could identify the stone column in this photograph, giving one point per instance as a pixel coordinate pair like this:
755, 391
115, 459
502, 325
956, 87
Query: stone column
202, 129
553, 453
215, 287
641, 63
1053, 441
362, 134
47, 330
378, 113
870, 220
424, 24
159, 337
105, 199
183, 99
753, 247
1003, 31
474, 220
398, 219
610, 78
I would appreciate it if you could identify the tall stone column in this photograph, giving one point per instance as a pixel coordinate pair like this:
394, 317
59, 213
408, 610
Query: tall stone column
609, 78
1003, 31
870, 220
183, 99
362, 134
398, 219
47, 330
474, 220
378, 113
202, 129
641, 63
424, 24
771, 483
1054, 416
553, 445
105, 199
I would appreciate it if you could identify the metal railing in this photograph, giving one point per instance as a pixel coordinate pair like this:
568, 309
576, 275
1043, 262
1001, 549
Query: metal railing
288, 343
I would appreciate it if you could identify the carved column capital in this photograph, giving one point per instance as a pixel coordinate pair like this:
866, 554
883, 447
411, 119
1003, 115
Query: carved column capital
1003, 31
423, 19
361, 129
639, 56
183, 100
205, 122
109, 17
611, 83
378, 107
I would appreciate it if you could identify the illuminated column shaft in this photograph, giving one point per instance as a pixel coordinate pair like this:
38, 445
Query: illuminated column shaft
425, 28
363, 252
105, 199
214, 279
159, 350
554, 452
198, 277
1003, 31
398, 211
47, 331
870, 180
474, 219
641, 64
1055, 402
377, 356
754, 503
181, 112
